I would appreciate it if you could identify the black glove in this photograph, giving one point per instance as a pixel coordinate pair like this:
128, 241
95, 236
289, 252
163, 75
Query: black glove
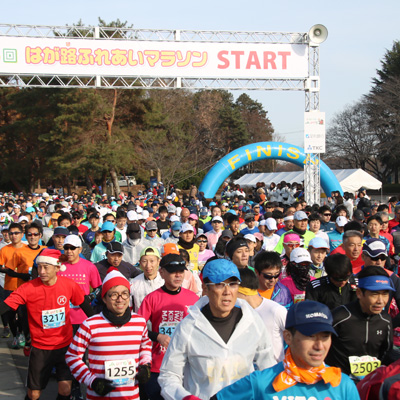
102, 386
143, 374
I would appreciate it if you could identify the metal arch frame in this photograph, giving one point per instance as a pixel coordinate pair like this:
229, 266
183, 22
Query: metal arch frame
312, 170
310, 86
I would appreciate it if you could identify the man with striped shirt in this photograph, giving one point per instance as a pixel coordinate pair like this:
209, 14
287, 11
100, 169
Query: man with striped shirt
118, 344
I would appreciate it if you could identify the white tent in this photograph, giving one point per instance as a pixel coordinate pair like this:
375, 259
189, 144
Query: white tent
350, 179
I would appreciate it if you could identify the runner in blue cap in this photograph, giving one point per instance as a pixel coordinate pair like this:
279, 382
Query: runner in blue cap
221, 340
364, 332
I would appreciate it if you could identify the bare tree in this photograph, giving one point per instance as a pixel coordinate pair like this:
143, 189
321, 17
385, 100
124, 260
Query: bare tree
352, 143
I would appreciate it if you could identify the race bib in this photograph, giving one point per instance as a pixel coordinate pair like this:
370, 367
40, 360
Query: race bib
121, 372
299, 297
361, 366
53, 318
167, 328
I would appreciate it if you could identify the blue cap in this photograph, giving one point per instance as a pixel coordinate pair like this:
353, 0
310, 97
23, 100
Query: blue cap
318, 243
30, 209
310, 317
375, 283
176, 226
107, 226
220, 270
213, 203
232, 212
62, 231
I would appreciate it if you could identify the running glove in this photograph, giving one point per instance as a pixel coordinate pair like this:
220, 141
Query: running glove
143, 374
102, 386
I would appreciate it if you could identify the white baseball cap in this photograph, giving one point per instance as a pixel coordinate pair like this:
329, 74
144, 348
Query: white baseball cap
270, 223
300, 255
341, 221
73, 240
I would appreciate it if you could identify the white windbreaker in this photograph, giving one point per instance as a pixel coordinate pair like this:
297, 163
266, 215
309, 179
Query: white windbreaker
200, 363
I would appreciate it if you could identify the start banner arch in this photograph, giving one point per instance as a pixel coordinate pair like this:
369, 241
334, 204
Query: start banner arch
260, 151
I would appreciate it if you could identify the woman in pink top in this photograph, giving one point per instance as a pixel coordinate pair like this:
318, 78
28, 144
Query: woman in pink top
204, 253
298, 274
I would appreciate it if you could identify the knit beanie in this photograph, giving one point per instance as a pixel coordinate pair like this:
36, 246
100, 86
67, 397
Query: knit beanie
113, 278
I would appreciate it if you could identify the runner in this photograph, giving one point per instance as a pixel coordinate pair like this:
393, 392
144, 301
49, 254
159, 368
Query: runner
363, 318
165, 308
114, 254
303, 373
338, 287
267, 266
150, 280
211, 347
272, 313
117, 343
47, 299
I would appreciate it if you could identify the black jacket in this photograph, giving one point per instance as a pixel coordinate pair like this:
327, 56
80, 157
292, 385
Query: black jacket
359, 334
324, 291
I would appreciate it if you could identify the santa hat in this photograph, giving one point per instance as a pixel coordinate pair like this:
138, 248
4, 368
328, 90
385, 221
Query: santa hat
113, 278
50, 256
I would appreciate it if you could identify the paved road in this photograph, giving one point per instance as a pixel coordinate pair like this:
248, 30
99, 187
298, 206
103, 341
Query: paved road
13, 373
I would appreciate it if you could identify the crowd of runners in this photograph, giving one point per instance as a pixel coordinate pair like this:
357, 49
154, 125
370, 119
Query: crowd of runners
253, 295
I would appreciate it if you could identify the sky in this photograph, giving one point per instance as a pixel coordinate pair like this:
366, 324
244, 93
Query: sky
359, 34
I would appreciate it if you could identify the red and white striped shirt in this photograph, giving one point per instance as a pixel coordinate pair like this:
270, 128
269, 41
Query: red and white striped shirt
107, 342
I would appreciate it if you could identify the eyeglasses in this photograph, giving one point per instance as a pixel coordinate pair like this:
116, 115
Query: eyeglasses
223, 285
270, 277
32, 234
342, 279
70, 247
115, 296
202, 241
292, 245
15, 233
327, 215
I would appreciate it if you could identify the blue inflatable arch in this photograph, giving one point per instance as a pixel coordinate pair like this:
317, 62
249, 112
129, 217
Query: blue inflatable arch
260, 151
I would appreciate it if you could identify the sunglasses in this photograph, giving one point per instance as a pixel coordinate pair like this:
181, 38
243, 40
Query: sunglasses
327, 215
270, 277
32, 234
341, 279
381, 257
292, 245
15, 233
202, 241
69, 248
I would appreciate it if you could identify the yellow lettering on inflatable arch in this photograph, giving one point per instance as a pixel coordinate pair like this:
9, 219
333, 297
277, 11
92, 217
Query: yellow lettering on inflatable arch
308, 158
280, 150
262, 149
292, 153
233, 160
248, 155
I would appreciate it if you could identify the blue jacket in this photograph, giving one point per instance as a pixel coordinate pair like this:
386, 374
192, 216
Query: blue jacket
258, 386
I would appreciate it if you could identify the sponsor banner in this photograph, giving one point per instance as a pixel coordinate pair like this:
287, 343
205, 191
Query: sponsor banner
314, 132
88, 57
